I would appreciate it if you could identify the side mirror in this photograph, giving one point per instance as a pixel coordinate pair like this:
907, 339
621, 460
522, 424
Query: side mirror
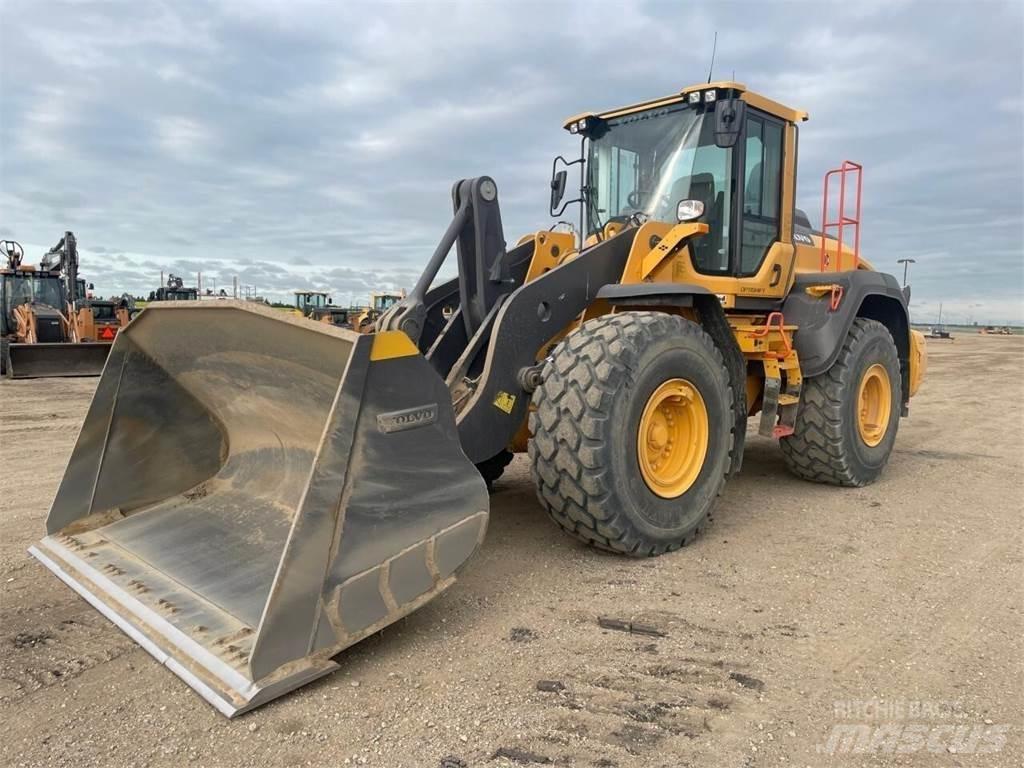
558, 181
91, 286
689, 210
728, 121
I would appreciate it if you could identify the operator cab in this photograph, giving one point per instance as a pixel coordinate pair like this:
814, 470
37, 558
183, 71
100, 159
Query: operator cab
383, 301
307, 301
714, 153
32, 287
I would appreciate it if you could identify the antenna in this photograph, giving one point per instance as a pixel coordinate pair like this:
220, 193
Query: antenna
714, 47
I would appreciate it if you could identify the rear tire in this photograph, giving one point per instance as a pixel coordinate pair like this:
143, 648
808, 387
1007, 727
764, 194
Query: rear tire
828, 445
4, 344
597, 386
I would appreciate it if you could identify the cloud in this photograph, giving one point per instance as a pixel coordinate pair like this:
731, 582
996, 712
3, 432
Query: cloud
310, 144
182, 137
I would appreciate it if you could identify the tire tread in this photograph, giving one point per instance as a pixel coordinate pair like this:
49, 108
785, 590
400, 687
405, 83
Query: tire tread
583, 375
816, 451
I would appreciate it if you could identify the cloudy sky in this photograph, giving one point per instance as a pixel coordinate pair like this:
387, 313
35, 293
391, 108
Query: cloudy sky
314, 144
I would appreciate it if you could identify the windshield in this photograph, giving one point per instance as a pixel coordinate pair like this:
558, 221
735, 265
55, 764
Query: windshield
103, 311
315, 300
23, 288
646, 162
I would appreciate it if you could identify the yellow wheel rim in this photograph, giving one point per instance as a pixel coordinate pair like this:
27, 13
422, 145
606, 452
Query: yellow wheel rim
874, 404
673, 438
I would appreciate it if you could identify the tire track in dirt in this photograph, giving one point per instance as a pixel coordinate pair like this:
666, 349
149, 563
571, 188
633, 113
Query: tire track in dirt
970, 590
54, 643
630, 698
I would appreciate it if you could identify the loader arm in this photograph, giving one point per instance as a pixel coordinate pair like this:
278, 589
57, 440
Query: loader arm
527, 321
499, 323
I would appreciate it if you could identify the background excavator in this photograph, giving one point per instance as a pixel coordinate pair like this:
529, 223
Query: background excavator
174, 290
49, 325
296, 487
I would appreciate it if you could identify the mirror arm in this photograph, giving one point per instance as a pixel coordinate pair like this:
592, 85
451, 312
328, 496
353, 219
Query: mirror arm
581, 161
565, 205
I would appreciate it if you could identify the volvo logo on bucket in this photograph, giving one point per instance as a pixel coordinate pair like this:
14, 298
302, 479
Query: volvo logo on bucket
410, 418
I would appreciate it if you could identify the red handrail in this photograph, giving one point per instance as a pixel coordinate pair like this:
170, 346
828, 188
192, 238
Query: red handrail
847, 167
779, 325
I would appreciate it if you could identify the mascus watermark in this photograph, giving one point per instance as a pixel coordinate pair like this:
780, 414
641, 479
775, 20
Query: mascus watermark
899, 726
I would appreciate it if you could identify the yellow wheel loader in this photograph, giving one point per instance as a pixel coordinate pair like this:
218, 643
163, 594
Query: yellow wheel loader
365, 321
295, 487
318, 305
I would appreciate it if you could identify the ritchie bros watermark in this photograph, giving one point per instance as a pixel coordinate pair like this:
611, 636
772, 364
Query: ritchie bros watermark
906, 726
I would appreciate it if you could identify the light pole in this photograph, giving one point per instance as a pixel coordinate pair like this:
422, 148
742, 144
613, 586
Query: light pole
906, 263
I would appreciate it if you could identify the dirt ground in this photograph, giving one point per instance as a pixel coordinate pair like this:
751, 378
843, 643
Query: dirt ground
809, 626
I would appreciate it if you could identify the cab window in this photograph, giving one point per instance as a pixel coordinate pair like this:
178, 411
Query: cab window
761, 190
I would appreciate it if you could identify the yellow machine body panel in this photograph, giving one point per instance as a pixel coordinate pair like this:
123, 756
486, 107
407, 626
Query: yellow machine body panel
918, 360
754, 99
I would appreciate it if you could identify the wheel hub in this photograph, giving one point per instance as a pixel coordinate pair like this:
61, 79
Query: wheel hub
672, 439
874, 405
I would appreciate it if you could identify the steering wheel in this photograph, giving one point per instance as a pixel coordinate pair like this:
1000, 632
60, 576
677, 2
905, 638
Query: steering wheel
636, 218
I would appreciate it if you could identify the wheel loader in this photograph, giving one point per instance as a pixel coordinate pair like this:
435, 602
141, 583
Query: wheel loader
365, 321
48, 325
318, 305
296, 487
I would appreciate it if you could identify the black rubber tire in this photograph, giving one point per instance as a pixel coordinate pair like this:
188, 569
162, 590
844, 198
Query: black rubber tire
826, 446
583, 449
4, 343
494, 467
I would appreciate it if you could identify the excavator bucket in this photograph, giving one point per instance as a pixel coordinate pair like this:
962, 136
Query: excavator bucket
253, 492
35, 361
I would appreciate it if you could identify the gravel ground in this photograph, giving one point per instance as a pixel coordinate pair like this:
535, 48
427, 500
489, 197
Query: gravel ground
893, 613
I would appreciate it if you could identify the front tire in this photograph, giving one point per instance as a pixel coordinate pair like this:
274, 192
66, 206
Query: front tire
601, 422
848, 417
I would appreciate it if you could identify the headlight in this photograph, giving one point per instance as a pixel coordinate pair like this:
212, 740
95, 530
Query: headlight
582, 124
695, 97
709, 96
574, 128
688, 210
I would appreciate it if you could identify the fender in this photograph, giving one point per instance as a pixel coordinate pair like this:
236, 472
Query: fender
652, 294
874, 295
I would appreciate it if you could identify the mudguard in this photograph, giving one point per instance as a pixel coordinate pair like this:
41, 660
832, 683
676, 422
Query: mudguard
821, 329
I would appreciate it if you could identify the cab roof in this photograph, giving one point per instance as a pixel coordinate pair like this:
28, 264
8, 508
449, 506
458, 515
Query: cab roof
753, 99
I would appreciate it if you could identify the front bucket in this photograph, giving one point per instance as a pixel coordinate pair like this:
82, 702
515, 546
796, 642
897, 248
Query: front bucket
35, 361
252, 492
